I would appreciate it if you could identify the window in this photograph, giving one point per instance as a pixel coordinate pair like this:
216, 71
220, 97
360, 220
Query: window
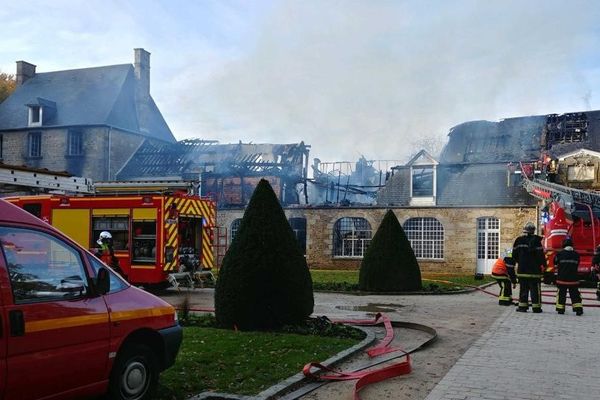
118, 228
34, 144
144, 241
351, 237
299, 227
35, 115
75, 143
235, 226
426, 237
41, 267
422, 181
488, 238
116, 283
580, 173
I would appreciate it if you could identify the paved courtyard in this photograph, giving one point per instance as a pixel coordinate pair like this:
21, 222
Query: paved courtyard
484, 351
529, 356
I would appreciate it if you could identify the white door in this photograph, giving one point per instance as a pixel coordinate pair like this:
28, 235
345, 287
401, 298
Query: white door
488, 243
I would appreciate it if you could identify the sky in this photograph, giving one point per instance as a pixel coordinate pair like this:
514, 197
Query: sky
350, 78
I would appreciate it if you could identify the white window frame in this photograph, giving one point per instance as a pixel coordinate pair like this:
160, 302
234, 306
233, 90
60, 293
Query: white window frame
33, 110
234, 228
426, 237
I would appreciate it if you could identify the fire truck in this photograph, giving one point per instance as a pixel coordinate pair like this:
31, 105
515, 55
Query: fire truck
570, 213
155, 236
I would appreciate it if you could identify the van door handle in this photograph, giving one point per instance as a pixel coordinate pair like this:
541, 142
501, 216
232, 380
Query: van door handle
17, 323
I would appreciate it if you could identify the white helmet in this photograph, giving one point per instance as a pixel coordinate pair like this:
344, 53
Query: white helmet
103, 235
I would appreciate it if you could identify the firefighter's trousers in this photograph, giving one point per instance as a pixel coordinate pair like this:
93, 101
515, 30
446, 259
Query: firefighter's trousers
505, 295
530, 287
561, 297
598, 291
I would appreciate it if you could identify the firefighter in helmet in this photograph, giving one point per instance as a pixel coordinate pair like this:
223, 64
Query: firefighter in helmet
567, 262
106, 252
528, 254
596, 271
503, 271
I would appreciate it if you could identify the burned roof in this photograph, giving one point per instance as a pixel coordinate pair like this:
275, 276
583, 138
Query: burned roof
512, 139
192, 156
522, 138
87, 96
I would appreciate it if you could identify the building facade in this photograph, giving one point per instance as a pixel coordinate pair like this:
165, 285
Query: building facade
87, 122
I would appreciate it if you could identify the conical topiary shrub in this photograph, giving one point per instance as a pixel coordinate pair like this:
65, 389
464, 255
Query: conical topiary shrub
389, 264
264, 281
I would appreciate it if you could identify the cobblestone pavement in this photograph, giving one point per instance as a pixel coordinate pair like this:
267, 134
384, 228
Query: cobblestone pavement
526, 356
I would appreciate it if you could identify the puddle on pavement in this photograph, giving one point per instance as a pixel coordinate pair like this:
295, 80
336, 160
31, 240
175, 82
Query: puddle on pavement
372, 307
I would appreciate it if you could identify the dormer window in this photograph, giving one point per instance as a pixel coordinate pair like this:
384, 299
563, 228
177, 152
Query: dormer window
422, 179
35, 115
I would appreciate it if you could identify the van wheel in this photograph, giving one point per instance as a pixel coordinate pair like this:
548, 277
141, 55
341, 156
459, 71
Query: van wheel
135, 373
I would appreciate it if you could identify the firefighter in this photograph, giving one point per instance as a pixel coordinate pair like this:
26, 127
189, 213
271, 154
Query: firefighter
566, 262
503, 272
596, 271
106, 252
528, 254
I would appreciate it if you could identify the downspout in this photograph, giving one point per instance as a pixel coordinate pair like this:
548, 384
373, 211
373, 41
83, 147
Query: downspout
109, 147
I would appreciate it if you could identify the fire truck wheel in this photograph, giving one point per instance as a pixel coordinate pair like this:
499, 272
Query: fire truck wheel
135, 373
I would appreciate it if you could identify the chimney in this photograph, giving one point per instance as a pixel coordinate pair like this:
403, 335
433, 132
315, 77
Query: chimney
24, 72
142, 73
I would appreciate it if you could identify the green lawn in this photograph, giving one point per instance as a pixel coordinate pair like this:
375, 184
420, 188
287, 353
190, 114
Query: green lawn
348, 280
241, 362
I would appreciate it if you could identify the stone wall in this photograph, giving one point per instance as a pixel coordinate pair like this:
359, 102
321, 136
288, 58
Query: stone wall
460, 232
93, 163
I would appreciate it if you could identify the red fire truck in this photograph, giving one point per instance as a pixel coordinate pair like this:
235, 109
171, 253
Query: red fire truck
154, 235
568, 213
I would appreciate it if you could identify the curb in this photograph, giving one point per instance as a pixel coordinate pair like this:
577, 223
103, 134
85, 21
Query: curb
295, 380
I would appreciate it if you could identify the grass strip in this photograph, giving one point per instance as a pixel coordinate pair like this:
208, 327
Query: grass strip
347, 281
241, 362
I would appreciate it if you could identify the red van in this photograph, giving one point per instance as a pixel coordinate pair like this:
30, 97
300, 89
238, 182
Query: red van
69, 326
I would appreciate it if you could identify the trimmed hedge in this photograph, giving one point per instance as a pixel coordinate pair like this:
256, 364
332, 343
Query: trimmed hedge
264, 282
389, 264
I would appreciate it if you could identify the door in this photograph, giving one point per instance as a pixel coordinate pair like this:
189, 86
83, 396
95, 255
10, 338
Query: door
58, 335
488, 243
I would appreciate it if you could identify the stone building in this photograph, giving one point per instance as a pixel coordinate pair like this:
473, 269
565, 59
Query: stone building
87, 121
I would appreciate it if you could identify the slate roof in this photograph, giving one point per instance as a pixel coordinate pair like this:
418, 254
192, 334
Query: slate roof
479, 185
460, 185
88, 96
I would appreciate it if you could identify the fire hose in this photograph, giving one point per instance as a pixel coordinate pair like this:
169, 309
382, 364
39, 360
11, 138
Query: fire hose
544, 293
363, 378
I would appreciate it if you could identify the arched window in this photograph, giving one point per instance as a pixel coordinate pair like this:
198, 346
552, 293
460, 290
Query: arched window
298, 225
351, 237
426, 237
235, 226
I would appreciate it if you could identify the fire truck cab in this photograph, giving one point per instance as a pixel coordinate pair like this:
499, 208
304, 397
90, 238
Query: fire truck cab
155, 236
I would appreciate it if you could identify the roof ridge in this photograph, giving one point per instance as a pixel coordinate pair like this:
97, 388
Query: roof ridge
83, 69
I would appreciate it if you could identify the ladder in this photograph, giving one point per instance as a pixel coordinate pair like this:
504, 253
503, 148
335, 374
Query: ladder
565, 195
44, 180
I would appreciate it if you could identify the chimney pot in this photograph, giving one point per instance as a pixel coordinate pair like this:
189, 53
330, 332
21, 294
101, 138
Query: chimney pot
25, 71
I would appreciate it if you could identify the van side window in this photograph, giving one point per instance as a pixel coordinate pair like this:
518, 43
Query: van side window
41, 267
116, 283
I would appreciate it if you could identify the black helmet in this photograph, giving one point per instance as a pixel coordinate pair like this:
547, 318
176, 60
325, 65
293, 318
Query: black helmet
567, 242
529, 228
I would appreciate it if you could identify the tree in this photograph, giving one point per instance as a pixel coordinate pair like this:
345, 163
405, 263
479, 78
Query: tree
264, 282
7, 85
389, 264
